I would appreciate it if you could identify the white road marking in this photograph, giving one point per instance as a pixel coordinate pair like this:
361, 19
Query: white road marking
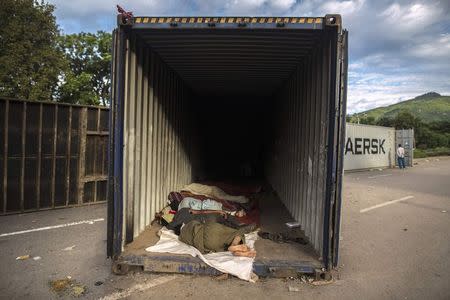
376, 176
52, 227
139, 287
385, 203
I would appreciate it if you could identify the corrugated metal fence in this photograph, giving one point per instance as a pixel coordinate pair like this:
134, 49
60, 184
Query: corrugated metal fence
52, 155
406, 138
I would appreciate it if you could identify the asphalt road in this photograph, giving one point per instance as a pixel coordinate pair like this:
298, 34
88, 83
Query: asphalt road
395, 251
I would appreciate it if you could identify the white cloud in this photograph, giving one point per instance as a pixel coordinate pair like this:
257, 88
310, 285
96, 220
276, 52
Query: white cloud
207, 7
257, 7
242, 7
372, 89
343, 7
439, 48
411, 16
281, 5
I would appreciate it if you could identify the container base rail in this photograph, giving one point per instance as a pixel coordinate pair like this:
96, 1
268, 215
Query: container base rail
195, 266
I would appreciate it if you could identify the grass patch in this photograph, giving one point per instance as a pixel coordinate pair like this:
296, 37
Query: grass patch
439, 151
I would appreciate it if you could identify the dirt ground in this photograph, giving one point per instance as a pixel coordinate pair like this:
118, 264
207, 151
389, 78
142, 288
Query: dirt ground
396, 251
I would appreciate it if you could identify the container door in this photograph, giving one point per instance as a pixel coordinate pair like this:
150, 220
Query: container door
336, 140
336, 209
115, 158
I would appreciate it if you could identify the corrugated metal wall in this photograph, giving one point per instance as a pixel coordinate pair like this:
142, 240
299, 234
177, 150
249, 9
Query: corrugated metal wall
296, 164
368, 146
158, 154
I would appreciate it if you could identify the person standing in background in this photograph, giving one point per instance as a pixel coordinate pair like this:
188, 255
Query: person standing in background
401, 156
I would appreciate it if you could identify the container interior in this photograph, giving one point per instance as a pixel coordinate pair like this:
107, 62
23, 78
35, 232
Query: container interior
226, 105
270, 254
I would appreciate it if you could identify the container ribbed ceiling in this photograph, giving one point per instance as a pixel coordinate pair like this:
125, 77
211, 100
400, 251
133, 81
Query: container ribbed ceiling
225, 62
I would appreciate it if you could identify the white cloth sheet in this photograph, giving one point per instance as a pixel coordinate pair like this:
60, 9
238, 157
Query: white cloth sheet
225, 262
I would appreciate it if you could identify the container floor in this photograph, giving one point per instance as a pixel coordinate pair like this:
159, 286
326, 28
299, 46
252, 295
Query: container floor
273, 259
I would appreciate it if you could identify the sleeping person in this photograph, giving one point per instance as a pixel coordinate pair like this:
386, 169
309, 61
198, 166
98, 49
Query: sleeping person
215, 237
186, 215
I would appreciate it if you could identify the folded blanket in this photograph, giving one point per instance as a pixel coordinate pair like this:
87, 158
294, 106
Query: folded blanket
225, 262
213, 192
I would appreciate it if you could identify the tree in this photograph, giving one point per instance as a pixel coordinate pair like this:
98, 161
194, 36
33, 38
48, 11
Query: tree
89, 59
385, 121
405, 119
30, 62
426, 135
78, 90
368, 120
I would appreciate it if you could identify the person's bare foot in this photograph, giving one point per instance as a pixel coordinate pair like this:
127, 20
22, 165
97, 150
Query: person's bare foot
240, 247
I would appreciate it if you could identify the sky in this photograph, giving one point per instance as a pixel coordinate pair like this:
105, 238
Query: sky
397, 49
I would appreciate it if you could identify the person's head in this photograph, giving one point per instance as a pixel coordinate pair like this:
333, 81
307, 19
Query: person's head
399, 145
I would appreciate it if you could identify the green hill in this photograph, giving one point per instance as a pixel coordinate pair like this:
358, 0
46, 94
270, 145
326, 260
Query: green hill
429, 107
